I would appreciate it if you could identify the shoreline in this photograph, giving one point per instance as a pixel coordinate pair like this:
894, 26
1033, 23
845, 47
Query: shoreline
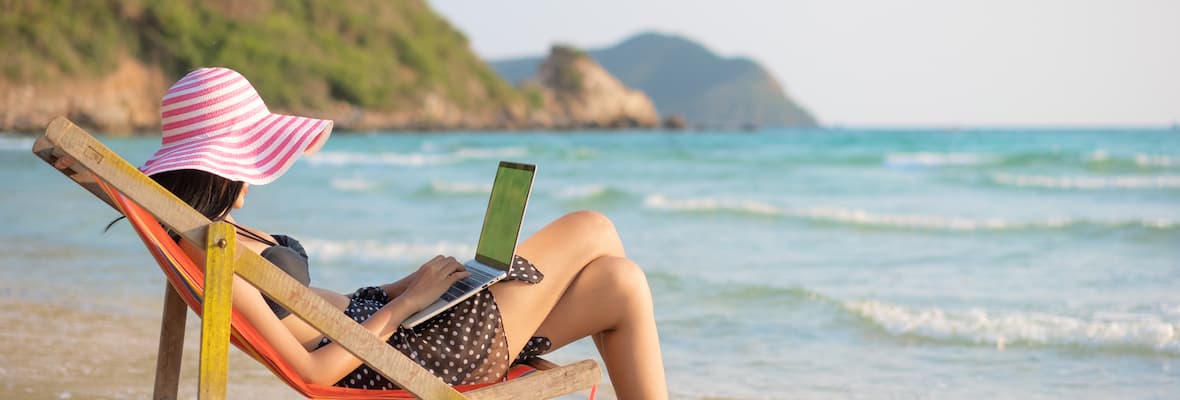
709, 129
444, 131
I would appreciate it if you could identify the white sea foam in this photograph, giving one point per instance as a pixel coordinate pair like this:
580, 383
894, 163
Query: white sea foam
381, 250
353, 184
15, 143
954, 223
915, 221
493, 152
460, 187
1003, 329
1098, 156
660, 202
925, 159
860, 217
1114, 182
1155, 160
581, 192
339, 158
838, 215
1159, 223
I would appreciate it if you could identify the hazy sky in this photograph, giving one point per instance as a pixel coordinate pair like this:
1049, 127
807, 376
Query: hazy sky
895, 62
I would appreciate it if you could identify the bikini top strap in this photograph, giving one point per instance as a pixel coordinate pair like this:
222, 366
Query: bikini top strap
250, 234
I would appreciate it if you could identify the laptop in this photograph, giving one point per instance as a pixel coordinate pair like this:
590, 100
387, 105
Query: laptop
497, 240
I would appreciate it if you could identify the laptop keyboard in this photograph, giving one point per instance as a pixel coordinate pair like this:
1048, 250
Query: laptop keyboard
478, 278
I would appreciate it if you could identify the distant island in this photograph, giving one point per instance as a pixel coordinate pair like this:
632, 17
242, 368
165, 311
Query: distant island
366, 64
684, 78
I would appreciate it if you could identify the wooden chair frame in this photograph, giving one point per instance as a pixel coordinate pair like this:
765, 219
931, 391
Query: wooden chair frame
224, 259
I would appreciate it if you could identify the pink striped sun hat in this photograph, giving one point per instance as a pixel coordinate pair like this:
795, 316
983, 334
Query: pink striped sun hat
214, 121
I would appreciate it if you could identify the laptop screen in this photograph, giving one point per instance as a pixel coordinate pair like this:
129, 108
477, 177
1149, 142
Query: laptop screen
501, 224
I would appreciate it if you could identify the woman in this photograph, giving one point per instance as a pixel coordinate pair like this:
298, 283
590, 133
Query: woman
219, 138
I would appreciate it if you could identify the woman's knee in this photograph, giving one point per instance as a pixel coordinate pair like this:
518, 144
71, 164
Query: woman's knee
627, 281
595, 226
591, 221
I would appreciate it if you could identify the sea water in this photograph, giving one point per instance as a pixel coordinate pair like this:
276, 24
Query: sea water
783, 263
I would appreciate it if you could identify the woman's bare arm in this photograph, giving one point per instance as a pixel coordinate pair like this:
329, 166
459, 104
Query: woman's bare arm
395, 289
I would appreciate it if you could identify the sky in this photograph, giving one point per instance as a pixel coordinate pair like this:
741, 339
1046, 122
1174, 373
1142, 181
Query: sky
894, 62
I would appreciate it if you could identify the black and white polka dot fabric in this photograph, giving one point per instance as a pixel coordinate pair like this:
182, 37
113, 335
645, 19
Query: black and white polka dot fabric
524, 271
463, 345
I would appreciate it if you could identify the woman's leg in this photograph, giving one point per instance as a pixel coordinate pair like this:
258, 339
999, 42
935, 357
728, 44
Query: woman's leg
610, 301
560, 251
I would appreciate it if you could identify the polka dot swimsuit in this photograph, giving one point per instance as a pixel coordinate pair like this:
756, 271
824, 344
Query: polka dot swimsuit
463, 345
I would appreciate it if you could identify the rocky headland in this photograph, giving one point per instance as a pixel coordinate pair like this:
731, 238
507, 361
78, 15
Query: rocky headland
690, 84
571, 91
366, 64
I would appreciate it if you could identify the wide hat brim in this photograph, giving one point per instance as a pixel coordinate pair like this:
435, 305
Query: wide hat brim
257, 153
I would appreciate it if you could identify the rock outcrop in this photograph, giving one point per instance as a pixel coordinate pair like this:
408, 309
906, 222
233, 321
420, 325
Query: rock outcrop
574, 92
683, 77
126, 100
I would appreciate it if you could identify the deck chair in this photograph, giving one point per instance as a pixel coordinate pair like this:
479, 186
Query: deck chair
208, 292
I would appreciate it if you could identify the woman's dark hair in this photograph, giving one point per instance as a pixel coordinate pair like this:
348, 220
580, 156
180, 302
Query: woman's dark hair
211, 195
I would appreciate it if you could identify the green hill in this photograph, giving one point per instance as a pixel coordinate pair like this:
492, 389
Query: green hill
683, 77
301, 55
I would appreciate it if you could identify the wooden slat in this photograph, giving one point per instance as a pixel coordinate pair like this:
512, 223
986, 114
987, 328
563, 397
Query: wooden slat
62, 137
544, 384
171, 349
220, 247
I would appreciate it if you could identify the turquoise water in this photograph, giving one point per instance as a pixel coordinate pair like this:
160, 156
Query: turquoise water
784, 264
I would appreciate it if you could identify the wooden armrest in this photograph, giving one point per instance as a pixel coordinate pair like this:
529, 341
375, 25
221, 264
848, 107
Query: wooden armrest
544, 384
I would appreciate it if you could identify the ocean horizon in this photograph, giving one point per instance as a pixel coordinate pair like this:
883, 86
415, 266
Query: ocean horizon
1000, 262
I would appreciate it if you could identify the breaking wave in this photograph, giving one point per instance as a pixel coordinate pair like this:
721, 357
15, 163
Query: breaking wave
1154, 160
593, 195
381, 250
1142, 332
582, 192
353, 184
343, 158
925, 159
1100, 158
336, 158
863, 218
461, 188
661, 202
1116, 182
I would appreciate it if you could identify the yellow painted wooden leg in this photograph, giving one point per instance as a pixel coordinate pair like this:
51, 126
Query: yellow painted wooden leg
171, 348
219, 276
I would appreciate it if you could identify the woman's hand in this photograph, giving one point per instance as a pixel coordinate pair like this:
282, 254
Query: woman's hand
431, 281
